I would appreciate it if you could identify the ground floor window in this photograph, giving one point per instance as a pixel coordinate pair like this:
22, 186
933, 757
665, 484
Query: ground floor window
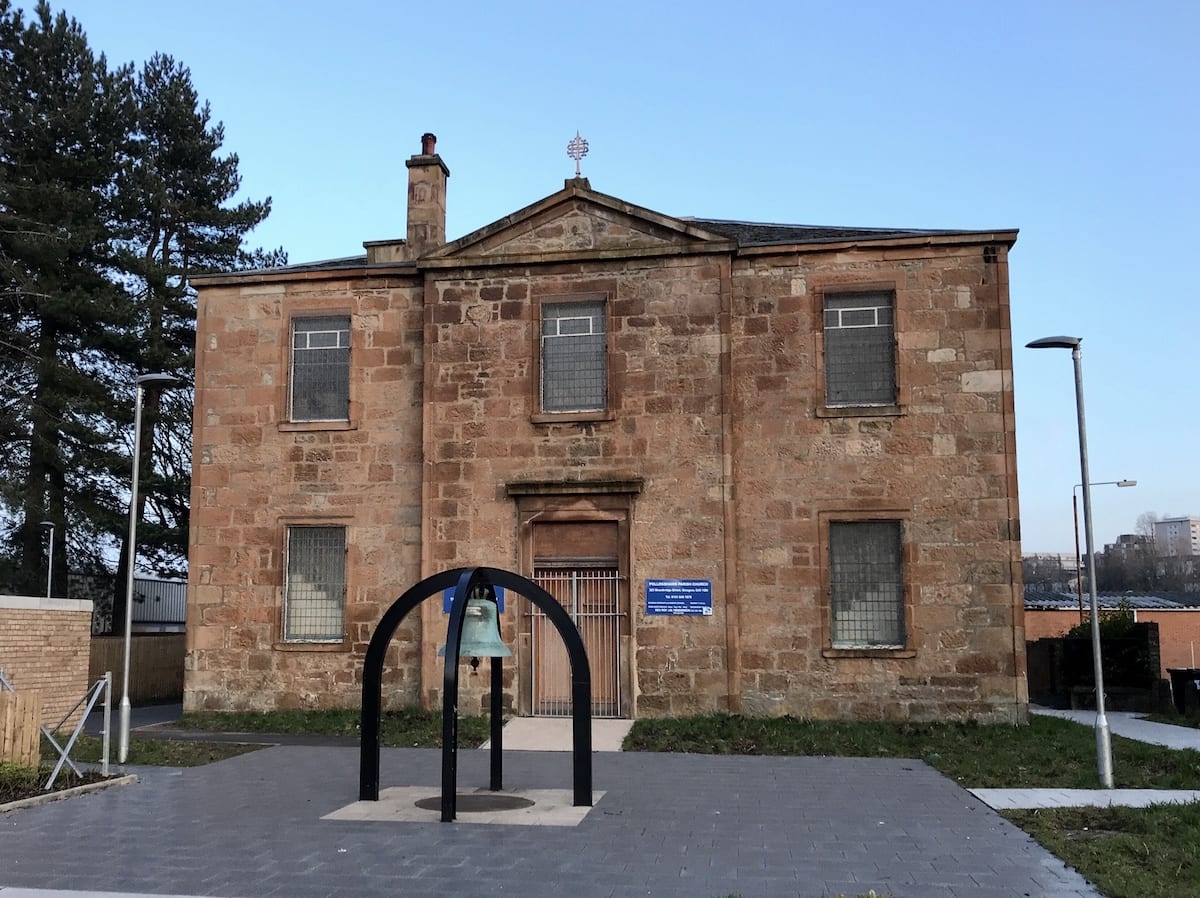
866, 587
315, 591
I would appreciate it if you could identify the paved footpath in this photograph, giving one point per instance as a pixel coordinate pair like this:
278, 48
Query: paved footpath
1131, 725
1121, 723
668, 825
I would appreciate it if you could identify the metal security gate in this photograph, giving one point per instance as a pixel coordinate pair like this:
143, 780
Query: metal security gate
591, 595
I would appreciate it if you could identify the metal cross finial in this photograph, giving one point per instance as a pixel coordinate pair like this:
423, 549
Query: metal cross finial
577, 149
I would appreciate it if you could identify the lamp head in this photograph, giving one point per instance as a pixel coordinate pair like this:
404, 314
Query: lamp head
146, 379
1055, 343
1126, 483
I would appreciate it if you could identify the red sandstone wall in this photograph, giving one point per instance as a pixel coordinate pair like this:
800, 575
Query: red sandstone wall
253, 474
664, 430
943, 463
715, 416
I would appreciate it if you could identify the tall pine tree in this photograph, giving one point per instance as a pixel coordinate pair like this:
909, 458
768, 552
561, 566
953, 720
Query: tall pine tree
65, 121
113, 190
177, 218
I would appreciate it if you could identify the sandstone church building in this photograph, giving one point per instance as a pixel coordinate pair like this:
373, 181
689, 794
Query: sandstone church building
769, 469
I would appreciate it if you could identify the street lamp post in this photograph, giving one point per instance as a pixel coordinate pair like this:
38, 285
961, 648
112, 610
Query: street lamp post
142, 382
49, 557
1075, 515
1103, 738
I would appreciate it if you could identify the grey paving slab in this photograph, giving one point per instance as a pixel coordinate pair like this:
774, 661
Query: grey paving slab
668, 825
57, 893
1012, 799
1132, 725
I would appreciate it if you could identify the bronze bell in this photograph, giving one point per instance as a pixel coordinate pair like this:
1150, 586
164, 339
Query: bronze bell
481, 632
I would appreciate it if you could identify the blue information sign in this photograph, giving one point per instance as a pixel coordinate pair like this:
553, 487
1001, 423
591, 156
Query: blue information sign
679, 597
448, 599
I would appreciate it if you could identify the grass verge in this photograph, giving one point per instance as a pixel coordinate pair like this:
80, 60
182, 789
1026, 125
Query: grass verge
1127, 852
17, 782
154, 752
1178, 720
1048, 753
402, 728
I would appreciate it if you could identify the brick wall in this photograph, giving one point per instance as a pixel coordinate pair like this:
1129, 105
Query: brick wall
1178, 632
1178, 636
1040, 624
44, 646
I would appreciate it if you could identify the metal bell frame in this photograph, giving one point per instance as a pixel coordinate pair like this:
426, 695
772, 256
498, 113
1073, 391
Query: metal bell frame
465, 582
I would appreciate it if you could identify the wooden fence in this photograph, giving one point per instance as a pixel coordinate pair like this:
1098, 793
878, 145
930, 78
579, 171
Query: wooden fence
20, 715
155, 666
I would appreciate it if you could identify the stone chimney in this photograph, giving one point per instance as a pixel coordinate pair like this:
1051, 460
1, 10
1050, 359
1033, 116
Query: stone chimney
427, 175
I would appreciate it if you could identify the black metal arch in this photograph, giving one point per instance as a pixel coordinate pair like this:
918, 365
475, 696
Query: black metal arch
464, 580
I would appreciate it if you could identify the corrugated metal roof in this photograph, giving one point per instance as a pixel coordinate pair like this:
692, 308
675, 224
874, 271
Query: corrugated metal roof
1110, 601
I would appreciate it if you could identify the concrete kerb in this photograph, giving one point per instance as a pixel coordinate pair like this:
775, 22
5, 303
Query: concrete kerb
36, 800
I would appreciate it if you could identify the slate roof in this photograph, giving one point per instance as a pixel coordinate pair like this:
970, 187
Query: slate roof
746, 233
753, 233
1036, 600
324, 265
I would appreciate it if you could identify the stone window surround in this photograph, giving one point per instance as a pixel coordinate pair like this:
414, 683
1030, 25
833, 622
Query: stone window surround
834, 286
608, 413
869, 512
283, 524
313, 308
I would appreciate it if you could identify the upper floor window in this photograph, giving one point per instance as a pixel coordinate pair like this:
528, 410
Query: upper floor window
860, 354
866, 585
574, 357
320, 385
315, 592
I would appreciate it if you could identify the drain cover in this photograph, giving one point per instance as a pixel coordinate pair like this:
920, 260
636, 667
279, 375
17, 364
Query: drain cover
475, 802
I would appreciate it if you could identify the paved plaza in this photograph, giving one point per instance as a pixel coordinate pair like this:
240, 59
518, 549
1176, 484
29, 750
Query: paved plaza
668, 825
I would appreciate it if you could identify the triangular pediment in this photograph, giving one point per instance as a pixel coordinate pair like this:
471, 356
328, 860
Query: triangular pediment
578, 221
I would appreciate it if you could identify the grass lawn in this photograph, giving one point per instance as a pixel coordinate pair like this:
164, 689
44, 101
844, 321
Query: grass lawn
18, 782
1128, 852
1049, 752
404, 728
153, 752
1179, 720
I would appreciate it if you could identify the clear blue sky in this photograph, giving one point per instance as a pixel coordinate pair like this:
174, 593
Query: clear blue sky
1073, 121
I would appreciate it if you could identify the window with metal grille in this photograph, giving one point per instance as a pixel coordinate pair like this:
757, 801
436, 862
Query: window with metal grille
574, 357
866, 584
860, 356
321, 368
315, 592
